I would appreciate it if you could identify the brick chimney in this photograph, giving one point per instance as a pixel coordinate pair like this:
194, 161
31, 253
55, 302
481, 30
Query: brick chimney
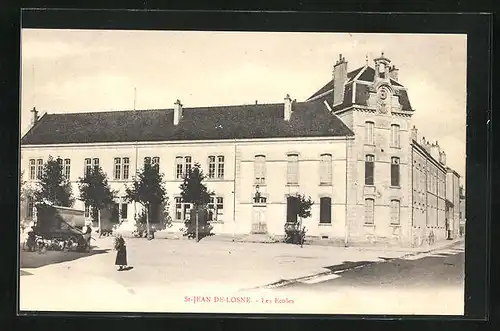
435, 151
339, 79
394, 73
34, 116
288, 108
177, 112
443, 158
414, 133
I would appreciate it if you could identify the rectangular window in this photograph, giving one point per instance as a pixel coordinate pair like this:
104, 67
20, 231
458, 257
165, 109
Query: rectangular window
187, 164
147, 161
369, 132
124, 211
260, 169
95, 163
220, 167
395, 212
325, 169
325, 215
32, 169
220, 206
178, 208
211, 167
118, 168
88, 166
369, 168
126, 167
155, 162
395, 135
178, 167
395, 171
39, 167
30, 206
369, 210
87, 211
293, 169
67, 169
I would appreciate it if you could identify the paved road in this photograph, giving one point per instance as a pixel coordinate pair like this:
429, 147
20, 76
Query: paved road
440, 269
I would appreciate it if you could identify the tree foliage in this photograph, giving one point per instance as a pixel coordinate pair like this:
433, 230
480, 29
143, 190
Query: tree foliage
304, 206
192, 189
147, 189
53, 187
95, 190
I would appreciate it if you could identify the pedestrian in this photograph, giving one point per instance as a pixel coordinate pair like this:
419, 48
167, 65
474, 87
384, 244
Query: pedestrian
121, 252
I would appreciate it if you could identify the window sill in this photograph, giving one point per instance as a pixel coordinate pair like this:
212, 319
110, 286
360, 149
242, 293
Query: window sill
396, 147
395, 187
367, 225
325, 184
395, 225
370, 144
324, 224
259, 185
292, 185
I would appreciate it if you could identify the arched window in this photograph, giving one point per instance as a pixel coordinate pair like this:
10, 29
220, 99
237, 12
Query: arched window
293, 169
395, 212
395, 171
369, 211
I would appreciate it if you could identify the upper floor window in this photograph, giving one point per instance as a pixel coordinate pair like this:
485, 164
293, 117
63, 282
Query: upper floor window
67, 169
369, 169
154, 162
122, 168
260, 169
293, 169
325, 206
216, 166
325, 171
39, 168
32, 169
91, 163
182, 166
395, 136
369, 211
395, 171
395, 212
369, 132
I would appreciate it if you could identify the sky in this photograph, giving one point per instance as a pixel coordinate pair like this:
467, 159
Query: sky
66, 71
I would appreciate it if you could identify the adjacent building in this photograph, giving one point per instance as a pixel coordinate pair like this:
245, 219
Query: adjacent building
351, 147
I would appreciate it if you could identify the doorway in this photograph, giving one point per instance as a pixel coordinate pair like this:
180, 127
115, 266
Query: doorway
259, 224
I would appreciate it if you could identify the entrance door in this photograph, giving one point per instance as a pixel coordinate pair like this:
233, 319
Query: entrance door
259, 224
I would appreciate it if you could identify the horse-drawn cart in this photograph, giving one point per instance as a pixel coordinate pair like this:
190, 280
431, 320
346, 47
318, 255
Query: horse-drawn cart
58, 228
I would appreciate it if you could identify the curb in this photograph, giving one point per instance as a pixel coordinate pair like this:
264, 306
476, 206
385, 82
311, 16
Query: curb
285, 282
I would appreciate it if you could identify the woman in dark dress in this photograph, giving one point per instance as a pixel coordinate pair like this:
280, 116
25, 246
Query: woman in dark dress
121, 253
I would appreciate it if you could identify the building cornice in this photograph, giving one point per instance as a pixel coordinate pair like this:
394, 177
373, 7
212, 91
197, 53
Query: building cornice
191, 142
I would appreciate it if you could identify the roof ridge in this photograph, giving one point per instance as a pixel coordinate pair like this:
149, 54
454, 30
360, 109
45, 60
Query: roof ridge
164, 109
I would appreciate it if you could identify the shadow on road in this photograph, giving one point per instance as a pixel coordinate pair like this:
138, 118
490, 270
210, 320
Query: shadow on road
437, 270
37, 260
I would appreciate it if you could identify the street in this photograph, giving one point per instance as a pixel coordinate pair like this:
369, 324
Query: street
211, 276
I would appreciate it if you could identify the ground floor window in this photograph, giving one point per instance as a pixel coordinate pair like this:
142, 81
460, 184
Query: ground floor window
369, 211
182, 209
30, 206
325, 215
215, 208
395, 212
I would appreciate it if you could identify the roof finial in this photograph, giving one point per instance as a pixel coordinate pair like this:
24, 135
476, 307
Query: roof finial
366, 59
382, 54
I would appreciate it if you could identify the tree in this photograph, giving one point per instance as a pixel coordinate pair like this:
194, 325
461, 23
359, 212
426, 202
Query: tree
95, 191
147, 189
194, 191
295, 232
53, 187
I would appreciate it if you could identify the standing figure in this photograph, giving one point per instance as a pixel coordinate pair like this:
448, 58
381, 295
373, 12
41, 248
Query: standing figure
121, 252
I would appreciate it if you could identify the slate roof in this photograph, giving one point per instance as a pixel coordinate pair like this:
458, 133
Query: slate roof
309, 119
368, 75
